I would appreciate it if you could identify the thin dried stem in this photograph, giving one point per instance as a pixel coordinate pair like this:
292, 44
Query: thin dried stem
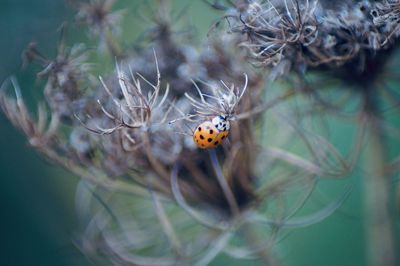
224, 184
189, 210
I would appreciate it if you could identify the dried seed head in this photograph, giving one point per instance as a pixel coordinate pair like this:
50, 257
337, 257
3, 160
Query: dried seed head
134, 106
103, 22
221, 100
67, 76
40, 135
305, 34
98, 16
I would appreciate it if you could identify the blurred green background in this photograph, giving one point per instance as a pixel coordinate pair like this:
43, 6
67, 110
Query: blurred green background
38, 222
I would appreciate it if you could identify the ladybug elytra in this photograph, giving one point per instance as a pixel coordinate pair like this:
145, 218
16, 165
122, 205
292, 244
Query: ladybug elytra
210, 134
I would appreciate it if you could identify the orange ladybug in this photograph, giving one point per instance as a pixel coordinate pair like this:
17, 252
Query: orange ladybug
210, 134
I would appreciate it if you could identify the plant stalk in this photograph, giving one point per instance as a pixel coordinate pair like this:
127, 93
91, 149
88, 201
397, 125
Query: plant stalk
379, 222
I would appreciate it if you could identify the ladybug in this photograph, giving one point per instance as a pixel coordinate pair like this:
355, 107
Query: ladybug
210, 134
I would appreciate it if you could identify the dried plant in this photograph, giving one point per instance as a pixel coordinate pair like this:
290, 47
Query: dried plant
103, 23
66, 75
148, 195
310, 33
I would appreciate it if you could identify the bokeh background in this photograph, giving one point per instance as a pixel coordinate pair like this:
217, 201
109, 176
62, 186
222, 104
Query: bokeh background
38, 223
36, 199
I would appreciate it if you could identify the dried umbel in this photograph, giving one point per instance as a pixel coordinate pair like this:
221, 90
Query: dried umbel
223, 100
102, 21
153, 197
66, 75
304, 34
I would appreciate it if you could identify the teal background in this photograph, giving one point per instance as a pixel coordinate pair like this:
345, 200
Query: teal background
38, 223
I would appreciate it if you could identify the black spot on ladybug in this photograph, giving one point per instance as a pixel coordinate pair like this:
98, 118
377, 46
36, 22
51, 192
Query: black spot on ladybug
199, 128
216, 143
209, 140
202, 145
201, 137
211, 131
